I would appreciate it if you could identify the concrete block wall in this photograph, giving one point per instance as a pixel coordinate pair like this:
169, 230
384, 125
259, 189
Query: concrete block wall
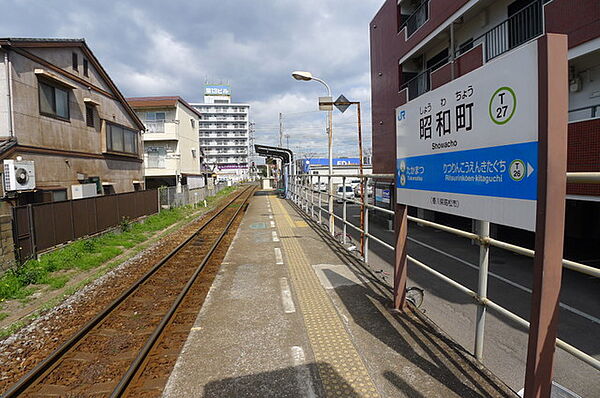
7, 247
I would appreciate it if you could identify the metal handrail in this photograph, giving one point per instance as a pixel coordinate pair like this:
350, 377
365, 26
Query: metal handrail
300, 193
592, 108
491, 36
413, 16
496, 42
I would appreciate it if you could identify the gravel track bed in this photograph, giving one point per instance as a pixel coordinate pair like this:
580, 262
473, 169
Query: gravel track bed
20, 352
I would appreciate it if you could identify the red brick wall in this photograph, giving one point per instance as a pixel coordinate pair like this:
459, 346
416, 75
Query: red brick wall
583, 154
441, 76
580, 19
469, 61
387, 47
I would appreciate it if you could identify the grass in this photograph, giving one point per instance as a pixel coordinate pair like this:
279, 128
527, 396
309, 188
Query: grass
87, 254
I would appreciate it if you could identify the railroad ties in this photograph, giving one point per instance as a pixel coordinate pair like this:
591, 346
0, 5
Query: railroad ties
131, 346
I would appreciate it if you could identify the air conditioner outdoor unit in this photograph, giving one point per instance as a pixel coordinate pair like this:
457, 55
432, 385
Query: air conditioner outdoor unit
19, 175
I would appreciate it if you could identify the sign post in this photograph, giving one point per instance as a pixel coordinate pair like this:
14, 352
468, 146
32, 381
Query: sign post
479, 147
549, 237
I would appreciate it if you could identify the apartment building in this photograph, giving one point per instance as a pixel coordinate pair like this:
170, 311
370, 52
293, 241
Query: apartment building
64, 122
224, 134
420, 45
172, 155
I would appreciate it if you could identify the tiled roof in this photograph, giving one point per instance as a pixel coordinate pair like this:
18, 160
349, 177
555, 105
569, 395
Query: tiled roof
159, 102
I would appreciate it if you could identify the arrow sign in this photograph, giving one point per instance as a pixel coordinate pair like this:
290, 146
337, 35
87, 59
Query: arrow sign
341, 103
529, 169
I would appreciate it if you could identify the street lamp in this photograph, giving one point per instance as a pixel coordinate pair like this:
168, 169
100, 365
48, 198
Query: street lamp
306, 76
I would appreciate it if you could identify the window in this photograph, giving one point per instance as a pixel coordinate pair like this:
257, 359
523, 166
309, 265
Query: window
75, 62
156, 157
89, 115
156, 116
54, 101
193, 123
121, 139
85, 68
464, 47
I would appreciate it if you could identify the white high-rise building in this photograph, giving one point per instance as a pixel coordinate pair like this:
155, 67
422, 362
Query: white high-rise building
224, 134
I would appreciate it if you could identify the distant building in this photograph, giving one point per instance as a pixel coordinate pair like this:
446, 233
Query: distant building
65, 123
341, 166
171, 150
224, 134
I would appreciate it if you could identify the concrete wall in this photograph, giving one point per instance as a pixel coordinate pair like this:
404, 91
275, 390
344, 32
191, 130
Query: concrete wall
3, 98
61, 171
188, 140
7, 249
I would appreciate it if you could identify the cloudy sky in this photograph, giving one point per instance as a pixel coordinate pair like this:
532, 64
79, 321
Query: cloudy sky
152, 47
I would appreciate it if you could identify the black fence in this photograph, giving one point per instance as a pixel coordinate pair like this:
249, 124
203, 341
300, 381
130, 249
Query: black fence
38, 227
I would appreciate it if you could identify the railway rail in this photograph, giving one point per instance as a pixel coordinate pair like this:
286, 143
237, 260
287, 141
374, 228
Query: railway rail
109, 355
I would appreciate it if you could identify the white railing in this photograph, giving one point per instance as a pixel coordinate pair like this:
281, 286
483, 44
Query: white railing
157, 126
302, 192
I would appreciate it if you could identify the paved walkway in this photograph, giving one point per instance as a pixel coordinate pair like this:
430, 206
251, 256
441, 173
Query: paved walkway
291, 314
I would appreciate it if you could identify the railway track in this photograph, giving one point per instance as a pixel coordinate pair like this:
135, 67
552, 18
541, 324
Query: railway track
125, 349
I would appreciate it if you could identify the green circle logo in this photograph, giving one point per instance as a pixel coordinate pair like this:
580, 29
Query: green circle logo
503, 105
517, 170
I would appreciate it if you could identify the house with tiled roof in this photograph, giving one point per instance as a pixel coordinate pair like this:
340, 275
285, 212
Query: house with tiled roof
62, 113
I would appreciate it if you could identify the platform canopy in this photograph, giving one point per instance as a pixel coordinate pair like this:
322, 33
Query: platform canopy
286, 155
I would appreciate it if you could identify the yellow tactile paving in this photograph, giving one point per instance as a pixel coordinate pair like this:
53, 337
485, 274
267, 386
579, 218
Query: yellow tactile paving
341, 369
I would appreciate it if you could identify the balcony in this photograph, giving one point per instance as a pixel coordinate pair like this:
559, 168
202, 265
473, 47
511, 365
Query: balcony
584, 113
522, 27
415, 20
160, 129
239, 126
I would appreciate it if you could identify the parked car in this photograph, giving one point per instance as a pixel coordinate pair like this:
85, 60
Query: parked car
322, 186
368, 189
354, 183
340, 194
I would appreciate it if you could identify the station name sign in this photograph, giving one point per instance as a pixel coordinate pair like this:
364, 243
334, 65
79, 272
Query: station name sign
470, 147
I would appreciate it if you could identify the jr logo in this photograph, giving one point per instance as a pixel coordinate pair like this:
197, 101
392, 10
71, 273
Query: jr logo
401, 115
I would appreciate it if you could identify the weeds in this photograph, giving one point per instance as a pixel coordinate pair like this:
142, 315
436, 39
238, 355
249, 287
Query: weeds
89, 253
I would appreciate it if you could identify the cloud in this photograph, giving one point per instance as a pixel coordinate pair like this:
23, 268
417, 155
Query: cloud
170, 48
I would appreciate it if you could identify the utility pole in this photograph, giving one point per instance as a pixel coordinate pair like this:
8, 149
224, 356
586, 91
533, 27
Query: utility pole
280, 130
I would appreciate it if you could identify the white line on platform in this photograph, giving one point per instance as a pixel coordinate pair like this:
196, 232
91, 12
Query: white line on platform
270, 216
275, 238
302, 374
278, 256
503, 279
272, 224
298, 355
286, 296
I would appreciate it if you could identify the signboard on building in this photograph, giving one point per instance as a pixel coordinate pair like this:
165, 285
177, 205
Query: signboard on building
470, 147
335, 161
217, 90
382, 195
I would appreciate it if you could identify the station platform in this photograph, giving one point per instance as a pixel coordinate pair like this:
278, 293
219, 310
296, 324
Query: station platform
292, 314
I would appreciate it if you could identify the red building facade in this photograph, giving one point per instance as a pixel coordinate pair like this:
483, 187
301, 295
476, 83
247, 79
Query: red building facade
420, 45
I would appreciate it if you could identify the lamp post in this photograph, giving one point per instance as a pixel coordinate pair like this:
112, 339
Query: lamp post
306, 76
